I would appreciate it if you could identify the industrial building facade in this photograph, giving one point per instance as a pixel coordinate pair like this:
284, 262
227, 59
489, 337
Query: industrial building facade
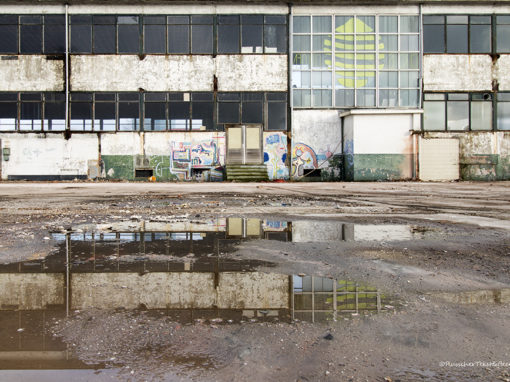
168, 90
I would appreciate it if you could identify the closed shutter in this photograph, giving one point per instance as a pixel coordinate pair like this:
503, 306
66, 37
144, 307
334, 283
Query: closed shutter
235, 145
253, 145
439, 159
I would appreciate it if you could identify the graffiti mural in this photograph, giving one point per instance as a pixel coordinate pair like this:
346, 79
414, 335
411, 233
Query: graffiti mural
275, 155
306, 158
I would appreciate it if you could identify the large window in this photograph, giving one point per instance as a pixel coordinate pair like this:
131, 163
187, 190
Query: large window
130, 111
138, 34
355, 61
464, 111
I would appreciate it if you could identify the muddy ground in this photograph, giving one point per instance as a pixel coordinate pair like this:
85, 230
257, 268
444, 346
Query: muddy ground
447, 317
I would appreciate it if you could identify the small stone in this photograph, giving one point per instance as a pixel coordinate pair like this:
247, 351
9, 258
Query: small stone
328, 337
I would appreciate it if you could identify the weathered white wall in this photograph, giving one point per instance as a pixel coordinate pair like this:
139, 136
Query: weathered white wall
31, 291
502, 72
381, 232
179, 290
31, 73
457, 72
252, 72
154, 73
125, 143
179, 72
48, 154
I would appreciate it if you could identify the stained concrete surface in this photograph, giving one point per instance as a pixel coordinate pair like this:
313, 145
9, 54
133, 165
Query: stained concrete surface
439, 251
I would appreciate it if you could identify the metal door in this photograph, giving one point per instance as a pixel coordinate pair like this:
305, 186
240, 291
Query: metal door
244, 144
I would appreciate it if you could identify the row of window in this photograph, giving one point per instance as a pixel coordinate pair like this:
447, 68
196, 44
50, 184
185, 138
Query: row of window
137, 111
466, 34
355, 61
108, 34
466, 111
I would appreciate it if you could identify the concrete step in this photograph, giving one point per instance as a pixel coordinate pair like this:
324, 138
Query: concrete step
247, 173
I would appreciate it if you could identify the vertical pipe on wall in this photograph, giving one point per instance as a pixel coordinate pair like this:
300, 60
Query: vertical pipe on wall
67, 66
420, 102
289, 89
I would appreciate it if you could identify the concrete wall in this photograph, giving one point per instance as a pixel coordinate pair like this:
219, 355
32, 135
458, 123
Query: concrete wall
250, 290
30, 291
316, 137
379, 144
483, 155
48, 154
31, 73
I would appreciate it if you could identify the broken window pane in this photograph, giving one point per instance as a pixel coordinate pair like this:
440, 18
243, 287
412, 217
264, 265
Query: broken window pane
129, 115
9, 114
9, 40
30, 38
228, 38
276, 116
228, 112
179, 115
104, 39
81, 38
178, 39
128, 38
104, 119
81, 116
155, 116
201, 39
154, 38
202, 113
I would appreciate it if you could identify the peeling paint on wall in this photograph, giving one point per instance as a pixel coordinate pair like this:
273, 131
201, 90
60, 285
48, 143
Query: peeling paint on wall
275, 155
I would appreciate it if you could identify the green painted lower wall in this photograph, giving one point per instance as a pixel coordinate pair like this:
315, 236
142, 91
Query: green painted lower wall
485, 167
119, 166
373, 167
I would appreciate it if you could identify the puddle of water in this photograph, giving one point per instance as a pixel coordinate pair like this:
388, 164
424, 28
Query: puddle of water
496, 296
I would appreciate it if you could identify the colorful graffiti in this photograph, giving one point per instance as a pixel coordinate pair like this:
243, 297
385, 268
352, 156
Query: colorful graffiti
275, 155
305, 158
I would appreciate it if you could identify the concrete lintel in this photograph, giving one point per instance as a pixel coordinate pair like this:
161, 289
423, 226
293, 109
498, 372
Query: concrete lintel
379, 111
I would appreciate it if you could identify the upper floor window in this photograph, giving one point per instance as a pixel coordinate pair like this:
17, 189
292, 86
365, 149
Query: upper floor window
355, 61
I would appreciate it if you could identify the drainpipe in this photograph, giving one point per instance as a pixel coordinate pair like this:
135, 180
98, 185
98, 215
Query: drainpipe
289, 87
67, 67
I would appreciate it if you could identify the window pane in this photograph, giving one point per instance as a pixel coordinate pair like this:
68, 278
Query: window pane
9, 40
104, 39
481, 115
8, 115
409, 43
275, 38
31, 38
154, 39
301, 98
344, 43
409, 24
344, 98
388, 98
252, 112
409, 61
81, 116
322, 98
321, 61
30, 118
365, 80
155, 116
228, 112
456, 39
409, 80
502, 38
409, 98
301, 24
178, 39
388, 61
454, 19
388, 24
179, 115
388, 79
105, 116
202, 39
365, 43
458, 115
301, 43
228, 38
321, 24
54, 38
252, 39
54, 116
129, 38
503, 116
321, 43
81, 39
321, 80
301, 61
129, 116
365, 24
388, 43
433, 115
480, 39
345, 79
276, 116
202, 114
365, 97
344, 24
433, 39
